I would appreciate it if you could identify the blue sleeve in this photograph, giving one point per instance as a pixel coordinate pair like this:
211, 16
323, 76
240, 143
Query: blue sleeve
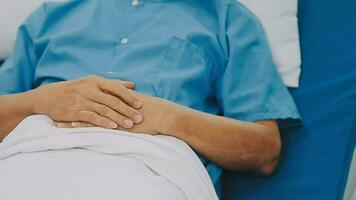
250, 88
17, 72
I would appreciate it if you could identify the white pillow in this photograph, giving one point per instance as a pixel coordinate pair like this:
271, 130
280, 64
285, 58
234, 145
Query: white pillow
12, 15
279, 18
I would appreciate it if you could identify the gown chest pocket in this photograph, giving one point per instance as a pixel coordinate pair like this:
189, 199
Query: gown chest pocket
184, 74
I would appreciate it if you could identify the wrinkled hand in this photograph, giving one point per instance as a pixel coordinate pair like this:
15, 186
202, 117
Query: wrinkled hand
157, 115
94, 100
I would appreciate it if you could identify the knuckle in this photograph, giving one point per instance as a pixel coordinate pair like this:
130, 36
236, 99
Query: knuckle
115, 83
113, 102
92, 117
119, 104
128, 111
78, 85
125, 109
117, 86
120, 119
134, 113
91, 79
105, 110
81, 81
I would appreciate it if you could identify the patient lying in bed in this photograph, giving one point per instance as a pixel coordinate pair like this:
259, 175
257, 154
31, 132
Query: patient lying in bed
170, 77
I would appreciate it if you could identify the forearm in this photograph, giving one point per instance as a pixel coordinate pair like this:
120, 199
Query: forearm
230, 143
13, 109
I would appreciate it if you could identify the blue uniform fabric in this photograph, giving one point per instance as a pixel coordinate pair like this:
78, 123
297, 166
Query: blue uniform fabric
316, 158
212, 57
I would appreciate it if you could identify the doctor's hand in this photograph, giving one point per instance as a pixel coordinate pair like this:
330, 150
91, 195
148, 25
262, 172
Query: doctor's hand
94, 100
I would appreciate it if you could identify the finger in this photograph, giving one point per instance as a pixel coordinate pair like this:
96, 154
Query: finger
72, 124
117, 89
95, 119
117, 105
107, 112
62, 125
81, 124
128, 84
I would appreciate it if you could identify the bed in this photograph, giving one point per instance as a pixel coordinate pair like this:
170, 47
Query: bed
316, 157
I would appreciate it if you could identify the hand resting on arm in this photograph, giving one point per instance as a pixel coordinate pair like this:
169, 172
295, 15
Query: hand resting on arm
93, 101
230, 143
98, 101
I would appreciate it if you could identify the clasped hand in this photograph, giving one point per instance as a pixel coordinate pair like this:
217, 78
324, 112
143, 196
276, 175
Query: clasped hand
95, 101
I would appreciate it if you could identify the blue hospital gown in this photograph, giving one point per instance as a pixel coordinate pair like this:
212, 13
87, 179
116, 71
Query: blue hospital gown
209, 55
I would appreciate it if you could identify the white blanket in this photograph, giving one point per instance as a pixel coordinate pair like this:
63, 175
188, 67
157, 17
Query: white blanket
39, 161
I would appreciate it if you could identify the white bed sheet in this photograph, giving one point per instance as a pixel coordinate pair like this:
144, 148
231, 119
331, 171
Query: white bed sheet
39, 161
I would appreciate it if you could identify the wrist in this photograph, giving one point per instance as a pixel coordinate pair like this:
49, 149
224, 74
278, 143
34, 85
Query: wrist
172, 115
32, 102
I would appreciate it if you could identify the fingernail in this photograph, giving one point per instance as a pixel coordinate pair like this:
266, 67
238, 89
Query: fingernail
137, 104
61, 125
137, 118
76, 124
128, 123
113, 125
